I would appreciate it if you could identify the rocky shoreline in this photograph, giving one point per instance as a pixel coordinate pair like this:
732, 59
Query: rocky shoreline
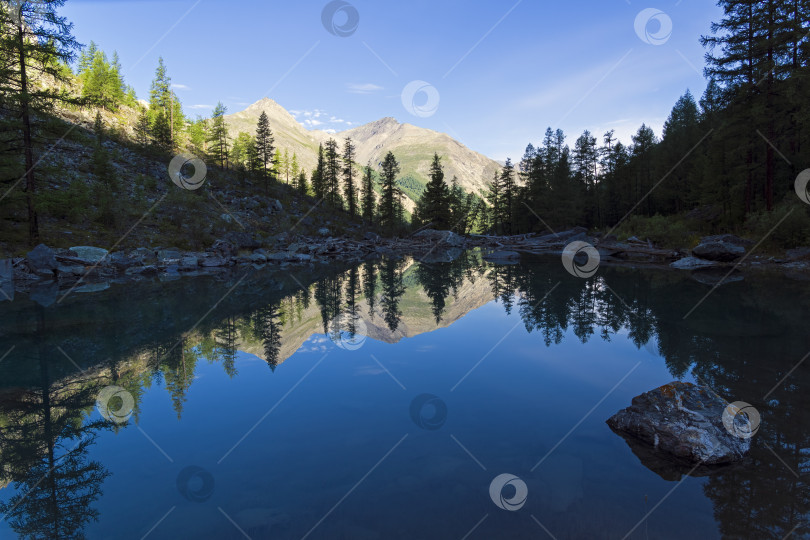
45, 273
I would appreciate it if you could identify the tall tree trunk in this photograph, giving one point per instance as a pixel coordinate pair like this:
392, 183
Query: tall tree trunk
769, 112
30, 182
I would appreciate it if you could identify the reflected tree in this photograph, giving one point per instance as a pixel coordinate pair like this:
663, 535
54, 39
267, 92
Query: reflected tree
392, 290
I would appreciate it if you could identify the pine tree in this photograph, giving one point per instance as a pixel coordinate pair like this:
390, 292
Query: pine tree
264, 145
349, 189
368, 197
41, 43
390, 201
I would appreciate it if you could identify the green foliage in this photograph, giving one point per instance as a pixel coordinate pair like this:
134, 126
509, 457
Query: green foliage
102, 83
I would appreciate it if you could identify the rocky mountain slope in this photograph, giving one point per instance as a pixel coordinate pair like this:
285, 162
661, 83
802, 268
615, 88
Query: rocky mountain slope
413, 146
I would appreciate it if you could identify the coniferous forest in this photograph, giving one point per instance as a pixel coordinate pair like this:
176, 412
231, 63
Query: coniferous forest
726, 161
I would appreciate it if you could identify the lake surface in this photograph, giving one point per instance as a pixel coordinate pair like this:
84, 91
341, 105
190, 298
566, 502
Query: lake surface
386, 400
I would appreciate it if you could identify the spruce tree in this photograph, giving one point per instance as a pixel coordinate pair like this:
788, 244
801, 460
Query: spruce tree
390, 203
318, 186
434, 204
264, 145
368, 197
332, 174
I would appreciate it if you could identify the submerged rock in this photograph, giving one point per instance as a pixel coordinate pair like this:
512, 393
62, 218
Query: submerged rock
686, 422
691, 263
503, 257
440, 237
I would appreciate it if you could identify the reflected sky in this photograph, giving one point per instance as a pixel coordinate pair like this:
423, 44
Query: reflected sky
276, 419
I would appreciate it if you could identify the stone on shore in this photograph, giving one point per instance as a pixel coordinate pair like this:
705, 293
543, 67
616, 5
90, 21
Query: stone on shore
89, 255
721, 248
42, 259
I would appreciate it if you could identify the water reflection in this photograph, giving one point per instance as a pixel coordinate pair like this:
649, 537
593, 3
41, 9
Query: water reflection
742, 342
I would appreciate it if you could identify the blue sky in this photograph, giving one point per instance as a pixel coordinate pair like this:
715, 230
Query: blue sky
502, 71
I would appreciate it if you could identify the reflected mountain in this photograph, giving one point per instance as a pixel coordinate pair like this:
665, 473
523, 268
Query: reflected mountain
747, 337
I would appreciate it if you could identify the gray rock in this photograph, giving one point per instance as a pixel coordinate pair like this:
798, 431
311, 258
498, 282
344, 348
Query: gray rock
189, 263
440, 237
722, 248
242, 240
213, 261
89, 255
70, 270
6, 270
507, 257
275, 206
372, 237
799, 254
143, 256
686, 422
258, 258
121, 261
167, 257
692, 263
149, 270
42, 259
323, 231
559, 237
223, 248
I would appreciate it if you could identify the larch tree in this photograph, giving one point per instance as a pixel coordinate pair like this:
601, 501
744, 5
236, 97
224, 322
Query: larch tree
218, 137
36, 44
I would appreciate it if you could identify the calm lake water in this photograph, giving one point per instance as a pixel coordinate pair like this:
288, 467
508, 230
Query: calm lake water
386, 400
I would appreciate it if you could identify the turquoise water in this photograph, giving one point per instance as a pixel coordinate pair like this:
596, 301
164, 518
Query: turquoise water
383, 400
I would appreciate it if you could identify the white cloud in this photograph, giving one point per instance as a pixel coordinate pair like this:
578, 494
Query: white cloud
320, 119
200, 106
180, 87
366, 88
